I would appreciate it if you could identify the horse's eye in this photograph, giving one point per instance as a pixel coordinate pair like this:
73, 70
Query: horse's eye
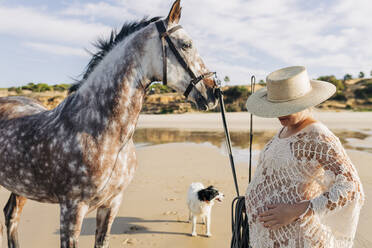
186, 45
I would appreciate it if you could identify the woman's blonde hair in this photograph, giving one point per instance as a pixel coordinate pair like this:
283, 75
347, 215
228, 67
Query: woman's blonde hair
308, 111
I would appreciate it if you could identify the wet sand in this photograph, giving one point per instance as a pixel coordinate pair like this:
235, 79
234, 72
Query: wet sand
154, 212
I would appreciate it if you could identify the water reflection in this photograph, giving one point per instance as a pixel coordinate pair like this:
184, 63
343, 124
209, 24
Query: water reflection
151, 136
161, 136
240, 140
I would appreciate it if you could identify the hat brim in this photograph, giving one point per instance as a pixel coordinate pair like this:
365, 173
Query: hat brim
258, 104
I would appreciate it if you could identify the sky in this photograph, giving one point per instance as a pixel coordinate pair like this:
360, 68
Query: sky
46, 41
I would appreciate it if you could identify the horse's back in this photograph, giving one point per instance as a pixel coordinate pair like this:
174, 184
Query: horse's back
17, 106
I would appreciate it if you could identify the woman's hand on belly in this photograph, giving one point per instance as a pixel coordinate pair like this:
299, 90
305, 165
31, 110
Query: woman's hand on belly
282, 214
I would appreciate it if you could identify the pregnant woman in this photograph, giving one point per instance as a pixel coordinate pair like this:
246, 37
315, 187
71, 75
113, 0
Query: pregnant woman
305, 191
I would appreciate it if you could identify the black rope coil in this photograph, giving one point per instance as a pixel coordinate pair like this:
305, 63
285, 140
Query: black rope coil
239, 224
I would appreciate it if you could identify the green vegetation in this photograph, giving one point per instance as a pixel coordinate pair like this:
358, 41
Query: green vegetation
61, 87
332, 79
348, 77
340, 87
158, 88
360, 94
362, 110
353, 95
18, 90
233, 93
366, 91
361, 74
226, 79
166, 111
40, 87
234, 98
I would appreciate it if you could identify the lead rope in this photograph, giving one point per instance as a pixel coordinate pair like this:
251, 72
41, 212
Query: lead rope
253, 84
239, 218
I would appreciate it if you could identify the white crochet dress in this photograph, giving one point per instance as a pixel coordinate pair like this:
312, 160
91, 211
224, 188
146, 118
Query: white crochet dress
309, 165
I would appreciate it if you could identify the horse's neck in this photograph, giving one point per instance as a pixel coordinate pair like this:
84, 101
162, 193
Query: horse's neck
108, 104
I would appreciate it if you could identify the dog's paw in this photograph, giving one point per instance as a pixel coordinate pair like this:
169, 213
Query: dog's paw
193, 234
208, 235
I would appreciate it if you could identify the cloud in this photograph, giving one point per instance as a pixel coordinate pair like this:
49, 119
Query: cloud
335, 36
125, 10
57, 49
241, 73
98, 10
26, 23
236, 37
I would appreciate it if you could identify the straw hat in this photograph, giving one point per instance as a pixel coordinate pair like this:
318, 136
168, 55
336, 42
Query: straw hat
289, 90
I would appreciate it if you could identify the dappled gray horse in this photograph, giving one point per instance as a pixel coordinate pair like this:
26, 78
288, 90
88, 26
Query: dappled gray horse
81, 154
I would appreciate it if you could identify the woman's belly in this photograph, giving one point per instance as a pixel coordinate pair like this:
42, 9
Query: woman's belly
271, 188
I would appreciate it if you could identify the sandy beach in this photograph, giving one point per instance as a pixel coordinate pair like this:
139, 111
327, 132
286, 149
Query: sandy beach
154, 212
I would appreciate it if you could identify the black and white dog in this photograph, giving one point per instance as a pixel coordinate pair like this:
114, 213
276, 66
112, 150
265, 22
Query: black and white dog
200, 201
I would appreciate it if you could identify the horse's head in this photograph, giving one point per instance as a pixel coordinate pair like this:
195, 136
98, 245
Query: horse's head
179, 75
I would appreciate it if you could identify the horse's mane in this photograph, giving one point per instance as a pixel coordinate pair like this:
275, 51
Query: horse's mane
105, 45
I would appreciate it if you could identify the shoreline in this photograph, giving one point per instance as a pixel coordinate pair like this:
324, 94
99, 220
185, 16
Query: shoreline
239, 121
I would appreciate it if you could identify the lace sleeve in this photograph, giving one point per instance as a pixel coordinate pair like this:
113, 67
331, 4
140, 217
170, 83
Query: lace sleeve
328, 153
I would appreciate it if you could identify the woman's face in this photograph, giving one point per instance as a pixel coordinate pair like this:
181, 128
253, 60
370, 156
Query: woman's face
293, 119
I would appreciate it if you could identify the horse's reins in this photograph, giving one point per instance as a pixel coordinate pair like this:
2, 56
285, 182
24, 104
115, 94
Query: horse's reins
164, 37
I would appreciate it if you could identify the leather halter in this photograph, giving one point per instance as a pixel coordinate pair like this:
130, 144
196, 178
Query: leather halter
164, 37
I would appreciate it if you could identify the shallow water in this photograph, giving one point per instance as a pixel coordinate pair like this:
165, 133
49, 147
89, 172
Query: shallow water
239, 140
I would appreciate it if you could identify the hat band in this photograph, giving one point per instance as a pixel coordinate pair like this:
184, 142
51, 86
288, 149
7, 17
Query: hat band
291, 98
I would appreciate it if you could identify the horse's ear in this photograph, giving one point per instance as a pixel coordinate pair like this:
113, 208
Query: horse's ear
175, 13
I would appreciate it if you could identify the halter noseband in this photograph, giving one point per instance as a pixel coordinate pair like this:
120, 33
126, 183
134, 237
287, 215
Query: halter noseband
164, 36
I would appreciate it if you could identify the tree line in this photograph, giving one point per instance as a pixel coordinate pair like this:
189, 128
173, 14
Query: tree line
40, 87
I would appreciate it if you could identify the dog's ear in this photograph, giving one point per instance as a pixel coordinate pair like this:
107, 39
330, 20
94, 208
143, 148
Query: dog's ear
203, 195
210, 187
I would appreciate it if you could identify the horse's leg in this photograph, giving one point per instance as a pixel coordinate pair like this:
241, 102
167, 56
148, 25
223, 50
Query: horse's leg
105, 217
12, 212
72, 215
